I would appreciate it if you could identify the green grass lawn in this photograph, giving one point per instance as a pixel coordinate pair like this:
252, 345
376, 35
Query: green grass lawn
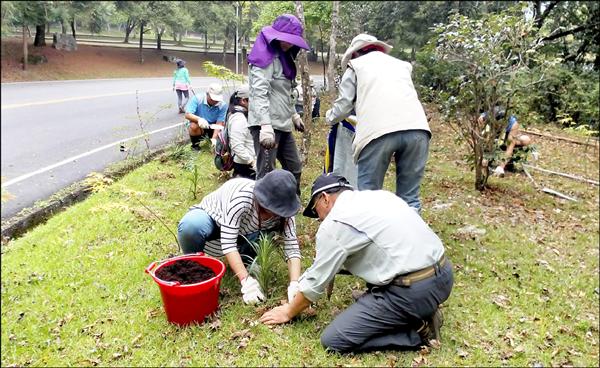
74, 291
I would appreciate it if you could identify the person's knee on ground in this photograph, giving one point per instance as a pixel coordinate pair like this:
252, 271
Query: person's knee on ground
333, 341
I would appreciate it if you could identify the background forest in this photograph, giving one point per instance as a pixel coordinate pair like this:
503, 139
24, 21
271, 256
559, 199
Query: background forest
565, 35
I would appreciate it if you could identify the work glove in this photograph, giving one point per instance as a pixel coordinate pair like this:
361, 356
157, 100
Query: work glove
352, 120
213, 142
202, 123
251, 292
328, 119
267, 136
293, 290
298, 123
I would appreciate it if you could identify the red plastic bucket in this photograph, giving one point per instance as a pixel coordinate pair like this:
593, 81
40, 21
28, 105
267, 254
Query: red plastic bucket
191, 303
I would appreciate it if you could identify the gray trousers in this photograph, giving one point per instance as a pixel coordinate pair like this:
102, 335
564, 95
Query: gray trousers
285, 151
388, 317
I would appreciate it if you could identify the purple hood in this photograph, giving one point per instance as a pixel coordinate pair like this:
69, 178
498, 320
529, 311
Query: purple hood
285, 28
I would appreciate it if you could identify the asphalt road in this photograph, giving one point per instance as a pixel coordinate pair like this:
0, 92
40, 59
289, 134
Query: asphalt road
56, 133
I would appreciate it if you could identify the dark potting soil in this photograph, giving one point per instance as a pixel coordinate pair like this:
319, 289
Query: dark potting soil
185, 271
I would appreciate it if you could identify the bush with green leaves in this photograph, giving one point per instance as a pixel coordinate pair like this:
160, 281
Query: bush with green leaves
480, 64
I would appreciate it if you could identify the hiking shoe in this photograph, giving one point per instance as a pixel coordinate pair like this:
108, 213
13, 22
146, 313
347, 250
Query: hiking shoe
195, 147
430, 330
357, 294
499, 171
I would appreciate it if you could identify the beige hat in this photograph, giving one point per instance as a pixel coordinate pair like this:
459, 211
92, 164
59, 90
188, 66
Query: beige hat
215, 91
360, 42
243, 91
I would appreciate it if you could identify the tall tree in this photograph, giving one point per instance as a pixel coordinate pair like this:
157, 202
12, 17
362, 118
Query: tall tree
331, 89
318, 20
41, 9
130, 11
24, 14
99, 14
163, 13
302, 62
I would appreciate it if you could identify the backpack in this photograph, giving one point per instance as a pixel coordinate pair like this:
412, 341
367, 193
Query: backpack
223, 155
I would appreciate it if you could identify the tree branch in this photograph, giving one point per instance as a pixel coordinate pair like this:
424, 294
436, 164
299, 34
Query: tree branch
566, 33
544, 15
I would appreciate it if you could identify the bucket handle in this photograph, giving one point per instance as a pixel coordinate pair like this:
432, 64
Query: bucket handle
153, 264
150, 267
149, 271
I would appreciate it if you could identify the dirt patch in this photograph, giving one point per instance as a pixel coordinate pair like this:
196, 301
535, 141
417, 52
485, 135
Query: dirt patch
185, 272
92, 62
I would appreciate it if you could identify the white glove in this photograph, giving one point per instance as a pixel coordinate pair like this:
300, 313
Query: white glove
293, 290
202, 123
328, 117
253, 165
298, 123
251, 292
213, 142
267, 136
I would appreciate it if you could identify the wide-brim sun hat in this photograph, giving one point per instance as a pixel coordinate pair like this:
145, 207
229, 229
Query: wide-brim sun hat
215, 91
360, 42
286, 28
323, 183
276, 192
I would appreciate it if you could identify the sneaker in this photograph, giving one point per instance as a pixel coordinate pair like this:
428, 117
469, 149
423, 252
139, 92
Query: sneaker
499, 171
195, 147
430, 330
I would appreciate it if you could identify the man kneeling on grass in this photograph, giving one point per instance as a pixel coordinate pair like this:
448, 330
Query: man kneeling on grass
376, 236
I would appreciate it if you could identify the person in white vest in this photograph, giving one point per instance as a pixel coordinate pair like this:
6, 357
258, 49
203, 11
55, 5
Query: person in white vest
391, 119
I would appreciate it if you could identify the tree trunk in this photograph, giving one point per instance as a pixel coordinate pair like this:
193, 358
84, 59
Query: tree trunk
205, 43
142, 24
306, 90
225, 45
63, 29
40, 35
25, 55
323, 57
159, 34
180, 40
331, 90
48, 27
128, 28
481, 171
73, 31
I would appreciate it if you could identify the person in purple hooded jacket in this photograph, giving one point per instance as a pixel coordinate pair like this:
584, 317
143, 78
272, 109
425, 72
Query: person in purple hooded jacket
271, 112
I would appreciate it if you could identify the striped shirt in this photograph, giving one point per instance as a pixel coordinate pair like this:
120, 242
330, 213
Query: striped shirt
232, 208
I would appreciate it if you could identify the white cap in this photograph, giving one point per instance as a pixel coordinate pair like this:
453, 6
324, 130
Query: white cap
243, 91
215, 92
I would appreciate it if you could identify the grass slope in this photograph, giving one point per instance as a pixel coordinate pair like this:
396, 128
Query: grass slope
74, 291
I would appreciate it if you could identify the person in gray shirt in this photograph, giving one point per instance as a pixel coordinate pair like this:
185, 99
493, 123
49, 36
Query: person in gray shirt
375, 235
